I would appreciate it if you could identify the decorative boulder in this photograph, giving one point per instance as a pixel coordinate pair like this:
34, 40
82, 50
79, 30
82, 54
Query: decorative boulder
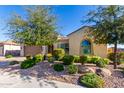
103, 72
86, 70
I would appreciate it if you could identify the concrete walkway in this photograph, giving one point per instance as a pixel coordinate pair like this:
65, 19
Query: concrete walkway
8, 80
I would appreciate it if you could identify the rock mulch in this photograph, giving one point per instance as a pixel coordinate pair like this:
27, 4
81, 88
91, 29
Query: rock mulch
116, 80
45, 70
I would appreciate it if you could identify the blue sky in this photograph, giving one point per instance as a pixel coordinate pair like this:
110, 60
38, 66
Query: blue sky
68, 17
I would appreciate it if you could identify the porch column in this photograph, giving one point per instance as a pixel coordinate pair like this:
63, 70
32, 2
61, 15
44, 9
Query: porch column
44, 50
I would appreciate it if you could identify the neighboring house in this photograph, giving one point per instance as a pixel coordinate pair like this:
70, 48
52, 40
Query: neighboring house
79, 42
9, 47
111, 50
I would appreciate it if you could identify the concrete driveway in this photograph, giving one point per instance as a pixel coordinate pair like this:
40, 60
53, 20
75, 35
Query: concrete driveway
2, 59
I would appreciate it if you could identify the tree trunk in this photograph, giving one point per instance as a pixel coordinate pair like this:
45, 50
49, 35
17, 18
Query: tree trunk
115, 55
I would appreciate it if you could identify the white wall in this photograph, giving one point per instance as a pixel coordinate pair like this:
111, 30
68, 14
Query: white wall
1, 50
22, 50
11, 47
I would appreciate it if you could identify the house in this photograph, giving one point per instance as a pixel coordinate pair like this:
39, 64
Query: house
111, 50
79, 42
9, 47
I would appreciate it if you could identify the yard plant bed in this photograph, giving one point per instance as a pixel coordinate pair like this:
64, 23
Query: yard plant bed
45, 70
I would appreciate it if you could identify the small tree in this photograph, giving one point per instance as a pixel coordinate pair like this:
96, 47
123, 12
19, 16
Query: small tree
108, 26
37, 27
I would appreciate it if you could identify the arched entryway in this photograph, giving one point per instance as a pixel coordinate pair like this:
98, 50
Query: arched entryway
86, 47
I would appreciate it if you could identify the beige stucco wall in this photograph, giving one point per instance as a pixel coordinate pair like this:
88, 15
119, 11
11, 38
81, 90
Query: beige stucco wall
100, 50
75, 40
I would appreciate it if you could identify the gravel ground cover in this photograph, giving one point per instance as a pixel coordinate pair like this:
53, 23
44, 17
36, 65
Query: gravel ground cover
116, 80
45, 70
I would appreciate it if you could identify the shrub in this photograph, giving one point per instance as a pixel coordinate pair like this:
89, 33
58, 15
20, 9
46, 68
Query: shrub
122, 55
68, 60
50, 58
58, 53
91, 80
13, 62
8, 56
76, 58
119, 56
49, 55
106, 61
84, 59
27, 64
58, 67
72, 69
94, 59
101, 63
28, 57
38, 58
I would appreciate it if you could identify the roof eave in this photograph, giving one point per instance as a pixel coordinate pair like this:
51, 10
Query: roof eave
78, 30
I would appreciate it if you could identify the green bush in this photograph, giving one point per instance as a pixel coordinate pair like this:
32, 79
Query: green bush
28, 57
101, 63
68, 60
72, 69
85, 59
91, 80
94, 59
49, 55
58, 67
14, 62
120, 56
106, 61
51, 59
38, 58
76, 58
58, 53
8, 56
27, 64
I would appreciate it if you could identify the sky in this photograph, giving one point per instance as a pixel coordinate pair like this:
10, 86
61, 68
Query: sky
68, 17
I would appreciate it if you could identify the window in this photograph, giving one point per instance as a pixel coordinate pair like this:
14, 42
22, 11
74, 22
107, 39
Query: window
65, 46
85, 47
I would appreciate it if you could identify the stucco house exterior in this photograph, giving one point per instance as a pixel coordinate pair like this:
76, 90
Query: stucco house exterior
79, 42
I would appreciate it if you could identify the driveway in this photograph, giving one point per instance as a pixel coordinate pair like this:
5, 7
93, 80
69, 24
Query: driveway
3, 59
10, 79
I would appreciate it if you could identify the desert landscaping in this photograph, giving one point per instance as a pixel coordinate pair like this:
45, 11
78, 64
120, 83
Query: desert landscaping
45, 69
